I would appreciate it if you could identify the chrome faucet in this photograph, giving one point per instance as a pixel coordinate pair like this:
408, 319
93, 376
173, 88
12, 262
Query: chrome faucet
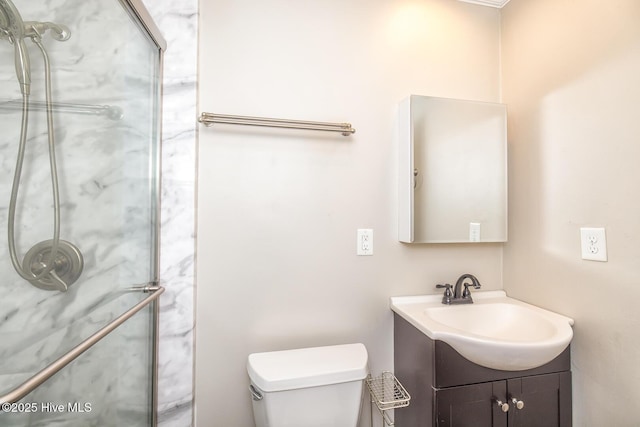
458, 297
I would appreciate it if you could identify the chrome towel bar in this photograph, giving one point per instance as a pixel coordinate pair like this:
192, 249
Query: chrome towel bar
208, 119
32, 383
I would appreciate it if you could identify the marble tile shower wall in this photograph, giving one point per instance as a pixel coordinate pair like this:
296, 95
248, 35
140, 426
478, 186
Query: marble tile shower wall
95, 161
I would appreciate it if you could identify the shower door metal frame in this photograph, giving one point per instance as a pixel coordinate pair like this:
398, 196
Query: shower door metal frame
144, 17
140, 13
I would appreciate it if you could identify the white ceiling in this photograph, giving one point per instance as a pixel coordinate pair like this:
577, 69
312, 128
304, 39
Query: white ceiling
492, 3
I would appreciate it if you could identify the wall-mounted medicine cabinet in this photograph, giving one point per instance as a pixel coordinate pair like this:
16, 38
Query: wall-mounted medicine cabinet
452, 171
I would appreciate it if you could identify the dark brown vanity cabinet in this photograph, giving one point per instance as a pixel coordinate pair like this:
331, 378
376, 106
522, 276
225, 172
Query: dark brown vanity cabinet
447, 390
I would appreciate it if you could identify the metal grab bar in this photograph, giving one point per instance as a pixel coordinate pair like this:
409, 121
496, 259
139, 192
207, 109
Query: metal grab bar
35, 381
208, 119
110, 111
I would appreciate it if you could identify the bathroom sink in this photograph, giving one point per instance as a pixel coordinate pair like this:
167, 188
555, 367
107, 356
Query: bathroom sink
496, 331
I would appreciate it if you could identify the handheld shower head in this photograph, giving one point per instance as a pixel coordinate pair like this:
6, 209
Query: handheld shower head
23, 66
12, 27
10, 19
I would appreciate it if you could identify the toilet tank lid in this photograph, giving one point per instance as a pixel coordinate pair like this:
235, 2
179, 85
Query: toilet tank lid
308, 367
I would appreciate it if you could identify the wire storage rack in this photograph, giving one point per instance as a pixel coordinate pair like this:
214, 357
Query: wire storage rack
387, 393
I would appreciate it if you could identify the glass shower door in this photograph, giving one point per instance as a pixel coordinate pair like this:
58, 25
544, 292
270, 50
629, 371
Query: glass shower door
102, 118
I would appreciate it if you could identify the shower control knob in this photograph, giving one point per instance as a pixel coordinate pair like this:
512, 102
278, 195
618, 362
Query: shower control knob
504, 407
53, 272
518, 403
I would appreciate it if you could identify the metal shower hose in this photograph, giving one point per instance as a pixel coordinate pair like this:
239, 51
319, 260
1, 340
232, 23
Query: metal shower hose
49, 263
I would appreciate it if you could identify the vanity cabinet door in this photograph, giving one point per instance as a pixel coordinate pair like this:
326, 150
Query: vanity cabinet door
546, 402
546, 399
471, 405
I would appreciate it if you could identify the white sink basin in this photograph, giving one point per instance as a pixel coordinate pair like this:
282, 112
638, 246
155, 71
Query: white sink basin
495, 331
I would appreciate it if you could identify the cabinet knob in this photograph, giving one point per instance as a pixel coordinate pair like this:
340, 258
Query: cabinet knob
504, 407
518, 403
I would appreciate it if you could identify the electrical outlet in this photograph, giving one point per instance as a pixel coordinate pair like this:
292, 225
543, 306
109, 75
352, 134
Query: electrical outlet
474, 231
593, 242
365, 241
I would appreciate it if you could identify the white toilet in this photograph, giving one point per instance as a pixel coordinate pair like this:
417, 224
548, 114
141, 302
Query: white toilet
308, 387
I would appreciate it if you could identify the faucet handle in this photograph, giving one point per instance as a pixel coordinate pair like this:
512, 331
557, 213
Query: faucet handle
467, 293
448, 295
447, 288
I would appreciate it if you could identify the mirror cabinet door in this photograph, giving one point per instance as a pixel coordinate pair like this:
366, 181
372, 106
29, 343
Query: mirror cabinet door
453, 171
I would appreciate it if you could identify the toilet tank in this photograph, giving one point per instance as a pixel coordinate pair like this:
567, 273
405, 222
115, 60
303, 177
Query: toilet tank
310, 387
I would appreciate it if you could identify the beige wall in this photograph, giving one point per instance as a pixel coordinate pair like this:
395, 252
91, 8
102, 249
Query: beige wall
278, 210
571, 78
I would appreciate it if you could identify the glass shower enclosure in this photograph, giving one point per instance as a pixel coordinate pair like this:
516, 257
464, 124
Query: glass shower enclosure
80, 96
